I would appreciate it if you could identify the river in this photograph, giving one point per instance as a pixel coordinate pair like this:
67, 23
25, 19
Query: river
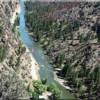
46, 70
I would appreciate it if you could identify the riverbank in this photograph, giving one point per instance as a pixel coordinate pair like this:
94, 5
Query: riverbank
34, 67
61, 81
14, 15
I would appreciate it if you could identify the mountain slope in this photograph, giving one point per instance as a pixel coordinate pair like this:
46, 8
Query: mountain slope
15, 61
70, 35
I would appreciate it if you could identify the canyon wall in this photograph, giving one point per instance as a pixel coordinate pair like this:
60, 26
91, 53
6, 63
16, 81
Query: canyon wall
15, 61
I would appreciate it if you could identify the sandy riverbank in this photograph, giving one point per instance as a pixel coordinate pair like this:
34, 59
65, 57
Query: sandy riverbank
60, 81
35, 66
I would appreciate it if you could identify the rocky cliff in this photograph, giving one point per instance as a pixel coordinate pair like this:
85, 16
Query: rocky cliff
15, 62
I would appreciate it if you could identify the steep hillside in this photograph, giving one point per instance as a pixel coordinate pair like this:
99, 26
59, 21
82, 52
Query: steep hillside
15, 60
70, 37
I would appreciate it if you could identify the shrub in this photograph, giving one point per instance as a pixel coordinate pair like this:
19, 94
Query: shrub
3, 50
1, 28
54, 89
40, 87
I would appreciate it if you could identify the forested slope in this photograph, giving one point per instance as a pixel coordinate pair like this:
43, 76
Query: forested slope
69, 33
15, 63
